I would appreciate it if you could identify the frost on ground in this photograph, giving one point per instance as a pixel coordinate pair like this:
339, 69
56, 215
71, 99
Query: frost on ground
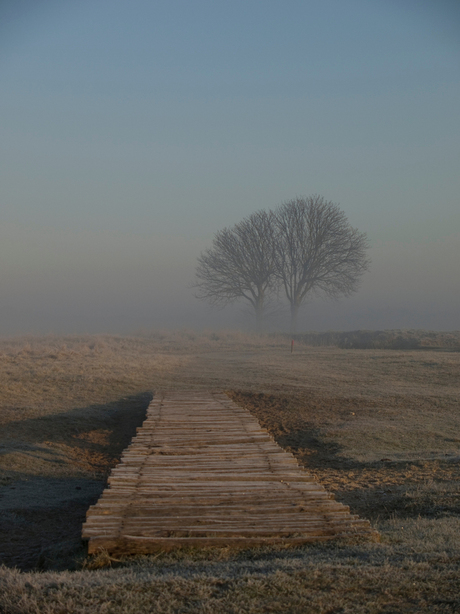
378, 427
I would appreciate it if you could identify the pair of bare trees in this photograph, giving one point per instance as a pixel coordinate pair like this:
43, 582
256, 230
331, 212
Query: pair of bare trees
304, 246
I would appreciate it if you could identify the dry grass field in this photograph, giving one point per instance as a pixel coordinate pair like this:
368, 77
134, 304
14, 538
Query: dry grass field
378, 427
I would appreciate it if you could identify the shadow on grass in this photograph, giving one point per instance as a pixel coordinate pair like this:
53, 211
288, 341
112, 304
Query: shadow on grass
118, 420
41, 517
378, 490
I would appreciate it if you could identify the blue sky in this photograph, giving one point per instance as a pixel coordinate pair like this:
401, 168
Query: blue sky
132, 131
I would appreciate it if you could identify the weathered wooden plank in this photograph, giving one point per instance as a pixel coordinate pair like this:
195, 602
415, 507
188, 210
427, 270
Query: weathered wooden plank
216, 528
140, 508
120, 546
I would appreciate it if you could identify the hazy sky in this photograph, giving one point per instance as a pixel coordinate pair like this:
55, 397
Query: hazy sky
131, 131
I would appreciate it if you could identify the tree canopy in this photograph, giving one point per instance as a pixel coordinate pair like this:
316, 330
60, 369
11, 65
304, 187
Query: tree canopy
240, 264
317, 251
305, 246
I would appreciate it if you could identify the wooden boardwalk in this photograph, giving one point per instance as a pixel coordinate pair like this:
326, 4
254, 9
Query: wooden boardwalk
202, 472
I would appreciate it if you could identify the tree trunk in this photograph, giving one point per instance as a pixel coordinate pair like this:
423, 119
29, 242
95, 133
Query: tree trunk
259, 309
294, 314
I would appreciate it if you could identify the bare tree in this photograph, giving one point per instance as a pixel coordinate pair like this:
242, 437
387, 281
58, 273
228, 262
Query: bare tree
239, 265
317, 251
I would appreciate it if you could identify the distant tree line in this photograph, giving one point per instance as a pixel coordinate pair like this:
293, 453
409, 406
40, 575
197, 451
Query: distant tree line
305, 246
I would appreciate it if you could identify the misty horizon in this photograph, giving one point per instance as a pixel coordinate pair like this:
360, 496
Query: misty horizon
141, 283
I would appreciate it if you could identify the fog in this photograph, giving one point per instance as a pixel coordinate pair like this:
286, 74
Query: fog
101, 282
132, 132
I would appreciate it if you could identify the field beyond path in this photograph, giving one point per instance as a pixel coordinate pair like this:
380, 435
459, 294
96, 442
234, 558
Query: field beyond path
202, 472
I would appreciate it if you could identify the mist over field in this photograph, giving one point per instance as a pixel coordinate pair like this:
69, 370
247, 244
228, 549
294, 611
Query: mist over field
132, 132
64, 282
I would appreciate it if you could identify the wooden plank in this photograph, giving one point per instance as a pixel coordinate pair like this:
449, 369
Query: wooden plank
123, 545
201, 472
